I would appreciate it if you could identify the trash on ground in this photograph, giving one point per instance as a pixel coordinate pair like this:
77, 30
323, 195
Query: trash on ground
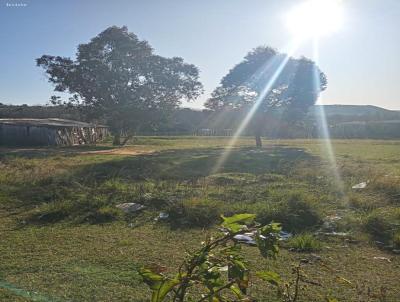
249, 238
285, 235
245, 238
383, 258
130, 207
162, 216
337, 234
361, 185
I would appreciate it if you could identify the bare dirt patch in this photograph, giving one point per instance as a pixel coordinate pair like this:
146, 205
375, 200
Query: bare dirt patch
119, 151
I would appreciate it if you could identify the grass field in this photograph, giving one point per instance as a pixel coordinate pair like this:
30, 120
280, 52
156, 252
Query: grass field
63, 239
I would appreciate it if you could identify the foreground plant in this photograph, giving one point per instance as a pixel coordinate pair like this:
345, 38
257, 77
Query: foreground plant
218, 270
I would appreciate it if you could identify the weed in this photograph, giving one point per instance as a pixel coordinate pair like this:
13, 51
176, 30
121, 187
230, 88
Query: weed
194, 213
294, 210
305, 242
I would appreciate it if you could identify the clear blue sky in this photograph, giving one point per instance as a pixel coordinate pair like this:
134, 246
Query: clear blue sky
362, 61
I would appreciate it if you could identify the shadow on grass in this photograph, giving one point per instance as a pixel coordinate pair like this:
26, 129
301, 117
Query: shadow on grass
80, 192
191, 164
43, 152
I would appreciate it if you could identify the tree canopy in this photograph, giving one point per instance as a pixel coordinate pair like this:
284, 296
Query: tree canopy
271, 81
118, 77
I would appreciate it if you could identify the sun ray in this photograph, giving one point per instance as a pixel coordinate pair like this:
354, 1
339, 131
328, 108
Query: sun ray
323, 125
280, 63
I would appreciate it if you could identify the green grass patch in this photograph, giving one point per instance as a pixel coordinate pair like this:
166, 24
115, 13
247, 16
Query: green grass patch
63, 237
305, 242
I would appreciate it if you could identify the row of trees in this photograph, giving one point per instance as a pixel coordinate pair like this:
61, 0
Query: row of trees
117, 78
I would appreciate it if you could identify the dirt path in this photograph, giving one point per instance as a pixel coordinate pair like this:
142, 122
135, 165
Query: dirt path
119, 151
75, 150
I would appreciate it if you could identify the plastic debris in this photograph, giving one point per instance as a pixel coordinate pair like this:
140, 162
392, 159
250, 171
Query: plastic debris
245, 238
162, 216
130, 207
383, 258
361, 185
285, 235
336, 234
249, 238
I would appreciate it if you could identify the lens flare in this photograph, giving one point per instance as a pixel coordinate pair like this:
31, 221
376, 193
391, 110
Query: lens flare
278, 63
323, 126
315, 18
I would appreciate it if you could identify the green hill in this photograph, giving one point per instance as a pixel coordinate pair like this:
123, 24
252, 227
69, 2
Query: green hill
355, 110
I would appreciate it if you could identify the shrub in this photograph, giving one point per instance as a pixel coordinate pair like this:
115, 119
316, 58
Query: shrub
383, 225
50, 212
396, 240
364, 202
101, 215
295, 213
379, 226
388, 185
83, 209
305, 242
156, 200
194, 213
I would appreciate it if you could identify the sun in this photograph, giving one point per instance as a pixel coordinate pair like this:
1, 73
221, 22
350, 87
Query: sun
315, 18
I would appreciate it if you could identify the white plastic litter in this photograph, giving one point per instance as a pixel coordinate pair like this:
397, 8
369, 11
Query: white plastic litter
245, 238
285, 235
162, 216
383, 258
361, 185
248, 238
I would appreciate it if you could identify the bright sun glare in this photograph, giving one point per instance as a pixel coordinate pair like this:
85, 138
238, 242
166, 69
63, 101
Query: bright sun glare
315, 18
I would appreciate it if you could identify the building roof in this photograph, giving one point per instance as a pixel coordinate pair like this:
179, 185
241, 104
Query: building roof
46, 122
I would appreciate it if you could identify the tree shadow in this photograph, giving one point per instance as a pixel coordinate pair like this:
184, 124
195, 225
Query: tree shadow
82, 188
44, 152
191, 164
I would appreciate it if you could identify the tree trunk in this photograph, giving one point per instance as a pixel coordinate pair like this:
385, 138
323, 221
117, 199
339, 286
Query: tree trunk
117, 139
258, 140
127, 138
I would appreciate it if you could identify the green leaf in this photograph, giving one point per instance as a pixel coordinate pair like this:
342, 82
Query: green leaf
237, 222
152, 279
159, 284
236, 291
270, 277
165, 287
267, 239
239, 218
239, 272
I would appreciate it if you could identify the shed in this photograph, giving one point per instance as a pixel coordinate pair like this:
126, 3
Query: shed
49, 132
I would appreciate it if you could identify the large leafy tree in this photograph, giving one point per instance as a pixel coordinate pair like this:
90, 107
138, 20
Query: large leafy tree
118, 78
269, 83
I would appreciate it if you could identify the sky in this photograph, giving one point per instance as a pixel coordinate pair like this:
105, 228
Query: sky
361, 61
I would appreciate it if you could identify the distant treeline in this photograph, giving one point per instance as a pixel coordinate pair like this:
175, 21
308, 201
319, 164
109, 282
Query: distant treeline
342, 122
25, 111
